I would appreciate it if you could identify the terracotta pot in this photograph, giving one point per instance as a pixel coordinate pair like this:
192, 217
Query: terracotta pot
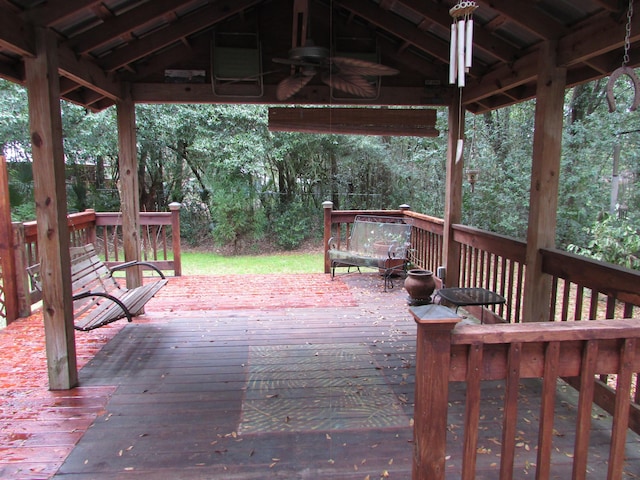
419, 284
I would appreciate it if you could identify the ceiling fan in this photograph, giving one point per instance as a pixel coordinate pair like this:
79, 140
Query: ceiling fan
346, 74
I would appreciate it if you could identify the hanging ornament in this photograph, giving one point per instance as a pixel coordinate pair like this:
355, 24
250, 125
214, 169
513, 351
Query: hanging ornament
460, 54
625, 69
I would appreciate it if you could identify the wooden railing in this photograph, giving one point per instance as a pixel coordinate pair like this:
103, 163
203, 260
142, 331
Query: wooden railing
495, 262
473, 354
585, 289
159, 233
582, 289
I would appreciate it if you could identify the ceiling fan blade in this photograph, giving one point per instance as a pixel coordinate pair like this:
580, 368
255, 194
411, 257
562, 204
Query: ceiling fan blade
291, 85
353, 84
355, 66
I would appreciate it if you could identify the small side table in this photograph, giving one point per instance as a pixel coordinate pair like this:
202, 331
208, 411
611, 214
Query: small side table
461, 297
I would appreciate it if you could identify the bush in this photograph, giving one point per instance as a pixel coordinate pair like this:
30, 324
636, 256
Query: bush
292, 226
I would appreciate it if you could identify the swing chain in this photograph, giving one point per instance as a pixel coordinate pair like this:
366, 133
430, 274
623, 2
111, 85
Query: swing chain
627, 34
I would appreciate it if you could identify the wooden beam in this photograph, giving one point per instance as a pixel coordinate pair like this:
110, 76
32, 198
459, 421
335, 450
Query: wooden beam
87, 74
545, 173
599, 36
312, 95
129, 191
16, 35
51, 211
356, 121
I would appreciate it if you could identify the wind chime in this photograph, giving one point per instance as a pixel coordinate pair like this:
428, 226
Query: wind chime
460, 55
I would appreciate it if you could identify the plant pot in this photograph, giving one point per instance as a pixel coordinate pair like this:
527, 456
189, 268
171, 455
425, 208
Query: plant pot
419, 284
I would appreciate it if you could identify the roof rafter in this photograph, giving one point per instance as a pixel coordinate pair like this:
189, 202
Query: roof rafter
49, 13
528, 17
481, 39
164, 37
123, 24
598, 37
402, 29
17, 35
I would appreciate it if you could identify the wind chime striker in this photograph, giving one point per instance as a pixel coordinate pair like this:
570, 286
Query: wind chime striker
460, 54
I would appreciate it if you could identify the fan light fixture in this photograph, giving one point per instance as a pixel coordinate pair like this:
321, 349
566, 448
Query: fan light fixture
460, 54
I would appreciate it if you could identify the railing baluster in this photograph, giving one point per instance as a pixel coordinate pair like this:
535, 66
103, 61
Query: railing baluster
472, 412
577, 315
593, 305
566, 294
547, 410
510, 411
621, 410
585, 407
554, 299
611, 307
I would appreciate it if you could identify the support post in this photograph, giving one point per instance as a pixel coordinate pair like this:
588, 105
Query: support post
129, 194
23, 283
433, 355
175, 238
545, 172
453, 191
7, 262
45, 119
328, 209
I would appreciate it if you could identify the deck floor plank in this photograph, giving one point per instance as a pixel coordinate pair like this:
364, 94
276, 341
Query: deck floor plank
299, 377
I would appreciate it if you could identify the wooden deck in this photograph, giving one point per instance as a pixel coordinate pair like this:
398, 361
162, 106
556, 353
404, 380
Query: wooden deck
249, 377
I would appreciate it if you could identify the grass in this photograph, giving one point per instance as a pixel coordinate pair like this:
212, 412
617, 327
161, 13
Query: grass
200, 263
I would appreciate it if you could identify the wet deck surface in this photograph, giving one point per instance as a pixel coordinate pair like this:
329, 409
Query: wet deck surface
252, 377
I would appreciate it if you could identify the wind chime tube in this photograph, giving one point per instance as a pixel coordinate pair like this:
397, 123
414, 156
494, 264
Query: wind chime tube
453, 52
459, 149
460, 45
469, 42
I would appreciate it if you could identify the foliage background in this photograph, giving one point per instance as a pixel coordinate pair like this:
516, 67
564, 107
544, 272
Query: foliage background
249, 189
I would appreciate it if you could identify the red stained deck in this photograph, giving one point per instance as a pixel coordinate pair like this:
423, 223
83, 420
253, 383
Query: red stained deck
249, 377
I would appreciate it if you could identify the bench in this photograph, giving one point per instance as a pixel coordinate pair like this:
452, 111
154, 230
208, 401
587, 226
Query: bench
375, 241
98, 298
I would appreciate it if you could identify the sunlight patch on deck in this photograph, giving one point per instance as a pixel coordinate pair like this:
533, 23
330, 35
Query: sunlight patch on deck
317, 387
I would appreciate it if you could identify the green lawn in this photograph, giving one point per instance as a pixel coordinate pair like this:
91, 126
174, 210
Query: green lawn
200, 263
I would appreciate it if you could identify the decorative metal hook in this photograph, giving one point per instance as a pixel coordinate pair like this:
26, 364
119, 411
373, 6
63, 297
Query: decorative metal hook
624, 70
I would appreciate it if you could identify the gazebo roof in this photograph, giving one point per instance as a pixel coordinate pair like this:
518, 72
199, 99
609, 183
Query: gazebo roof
223, 51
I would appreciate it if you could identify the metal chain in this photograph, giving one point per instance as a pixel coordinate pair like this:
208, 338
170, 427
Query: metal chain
627, 34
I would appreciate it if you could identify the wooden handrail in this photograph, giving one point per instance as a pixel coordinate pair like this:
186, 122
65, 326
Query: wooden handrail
451, 352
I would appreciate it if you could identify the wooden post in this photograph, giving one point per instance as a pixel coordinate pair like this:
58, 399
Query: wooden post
433, 352
328, 209
545, 172
453, 191
43, 89
175, 238
23, 283
129, 195
7, 262
91, 231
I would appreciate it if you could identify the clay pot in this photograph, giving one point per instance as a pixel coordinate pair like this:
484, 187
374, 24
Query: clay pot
419, 284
